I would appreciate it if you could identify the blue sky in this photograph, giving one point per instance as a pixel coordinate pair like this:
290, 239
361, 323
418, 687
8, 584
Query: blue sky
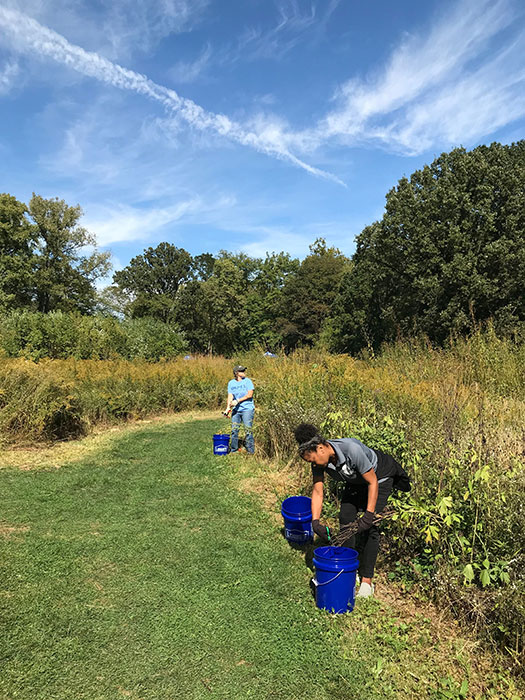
254, 125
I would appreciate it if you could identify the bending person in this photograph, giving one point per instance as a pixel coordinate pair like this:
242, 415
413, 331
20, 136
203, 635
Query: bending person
240, 402
369, 476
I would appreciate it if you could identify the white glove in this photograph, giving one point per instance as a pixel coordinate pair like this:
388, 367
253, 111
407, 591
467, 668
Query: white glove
234, 403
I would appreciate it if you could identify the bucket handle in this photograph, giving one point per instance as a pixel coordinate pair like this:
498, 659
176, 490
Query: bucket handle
316, 582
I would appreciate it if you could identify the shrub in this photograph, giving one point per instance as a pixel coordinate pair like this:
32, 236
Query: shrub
60, 335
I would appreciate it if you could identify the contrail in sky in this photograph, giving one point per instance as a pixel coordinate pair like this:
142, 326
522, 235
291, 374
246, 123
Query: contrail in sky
29, 36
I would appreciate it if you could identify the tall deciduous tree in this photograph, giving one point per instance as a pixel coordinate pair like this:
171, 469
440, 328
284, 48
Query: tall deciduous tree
448, 253
213, 314
64, 274
16, 254
202, 266
309, 294
265, 299
152, 280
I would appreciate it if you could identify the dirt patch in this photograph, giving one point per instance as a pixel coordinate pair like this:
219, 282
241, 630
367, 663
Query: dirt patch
11, 531
270, 484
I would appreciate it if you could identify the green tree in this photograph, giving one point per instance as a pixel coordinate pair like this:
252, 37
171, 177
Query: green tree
448, 253
153, 279
213, 314
64, 275
16, 254
265, 299
202, 266
308, 295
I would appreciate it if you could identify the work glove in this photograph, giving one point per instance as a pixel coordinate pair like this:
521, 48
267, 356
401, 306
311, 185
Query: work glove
322, 531
234, 403
366, 521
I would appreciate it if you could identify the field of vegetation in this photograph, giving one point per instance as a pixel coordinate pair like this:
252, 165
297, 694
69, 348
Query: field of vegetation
454, 417
135, 564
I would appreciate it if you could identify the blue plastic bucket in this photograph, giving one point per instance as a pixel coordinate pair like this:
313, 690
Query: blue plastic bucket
335, 578
221, 444
297, 515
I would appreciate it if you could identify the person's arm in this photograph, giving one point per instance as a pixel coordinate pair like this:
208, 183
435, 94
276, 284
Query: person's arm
228, 405
317, 506
317, 497
367, 519
373, 489
249, 390
249, 395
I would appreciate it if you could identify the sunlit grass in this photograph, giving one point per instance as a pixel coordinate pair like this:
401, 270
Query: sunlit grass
138, 569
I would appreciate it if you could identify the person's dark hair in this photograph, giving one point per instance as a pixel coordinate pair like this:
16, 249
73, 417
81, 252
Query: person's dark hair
305, 432
308, 438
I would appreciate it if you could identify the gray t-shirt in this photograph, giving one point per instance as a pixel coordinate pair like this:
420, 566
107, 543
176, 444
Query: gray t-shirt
353, 459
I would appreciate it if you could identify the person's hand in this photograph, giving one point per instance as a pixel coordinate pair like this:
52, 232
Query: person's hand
226, 412
322, 531
234, 403
366, 521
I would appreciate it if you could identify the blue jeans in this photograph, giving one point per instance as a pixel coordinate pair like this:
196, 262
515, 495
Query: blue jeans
245, 417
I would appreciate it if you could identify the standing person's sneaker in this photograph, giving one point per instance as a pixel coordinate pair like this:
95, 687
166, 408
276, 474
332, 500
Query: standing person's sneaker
366, 590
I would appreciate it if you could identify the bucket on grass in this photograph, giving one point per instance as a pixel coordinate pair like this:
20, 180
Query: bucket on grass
335, 578
297, 515
221, 444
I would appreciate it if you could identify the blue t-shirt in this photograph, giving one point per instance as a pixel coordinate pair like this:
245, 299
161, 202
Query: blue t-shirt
240, 388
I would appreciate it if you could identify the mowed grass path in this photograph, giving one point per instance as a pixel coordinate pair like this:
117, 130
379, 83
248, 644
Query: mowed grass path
142, 573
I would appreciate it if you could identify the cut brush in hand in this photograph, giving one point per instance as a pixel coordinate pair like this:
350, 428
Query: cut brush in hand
351, 529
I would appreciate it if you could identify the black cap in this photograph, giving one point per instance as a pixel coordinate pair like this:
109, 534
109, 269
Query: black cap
239, 368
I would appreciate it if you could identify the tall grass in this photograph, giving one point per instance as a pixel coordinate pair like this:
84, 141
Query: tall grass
58, 399
454, 417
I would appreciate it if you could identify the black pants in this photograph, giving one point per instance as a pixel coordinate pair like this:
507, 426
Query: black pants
353, 500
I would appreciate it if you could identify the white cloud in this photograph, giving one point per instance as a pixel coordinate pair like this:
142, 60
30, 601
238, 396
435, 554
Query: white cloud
274, 239
446, 87
295, 22
119, 28
8, 75
116, 223
188, 72
27, 35
132, 24
125, 223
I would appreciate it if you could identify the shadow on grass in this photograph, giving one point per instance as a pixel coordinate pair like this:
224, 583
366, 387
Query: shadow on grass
308, 549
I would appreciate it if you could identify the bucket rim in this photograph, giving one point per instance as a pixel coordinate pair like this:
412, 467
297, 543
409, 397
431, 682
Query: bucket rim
333, 553
307, 506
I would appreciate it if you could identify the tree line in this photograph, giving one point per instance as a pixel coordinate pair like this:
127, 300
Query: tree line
447, 255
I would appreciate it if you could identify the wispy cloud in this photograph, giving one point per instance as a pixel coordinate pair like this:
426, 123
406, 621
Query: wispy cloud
113, 224
295, 22
445, 87
8, 74
117, 29
189, 71
135, 23
28, 35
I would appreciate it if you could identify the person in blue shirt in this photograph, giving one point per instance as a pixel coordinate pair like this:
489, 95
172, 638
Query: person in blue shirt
240, 402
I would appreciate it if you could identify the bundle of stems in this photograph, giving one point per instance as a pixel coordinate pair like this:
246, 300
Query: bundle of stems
349, 530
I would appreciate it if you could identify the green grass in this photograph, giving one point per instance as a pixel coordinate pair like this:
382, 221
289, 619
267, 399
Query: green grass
142, 572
